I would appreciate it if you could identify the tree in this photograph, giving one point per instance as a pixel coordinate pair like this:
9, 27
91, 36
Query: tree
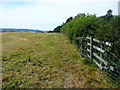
57, 29
109, 15
109, 12
115, 23
69, 19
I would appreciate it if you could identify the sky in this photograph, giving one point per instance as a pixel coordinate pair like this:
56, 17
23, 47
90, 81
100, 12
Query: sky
47, 14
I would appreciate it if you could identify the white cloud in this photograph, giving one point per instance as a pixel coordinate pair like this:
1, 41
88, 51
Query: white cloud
47, 14
59, 1
18, 0
76, 1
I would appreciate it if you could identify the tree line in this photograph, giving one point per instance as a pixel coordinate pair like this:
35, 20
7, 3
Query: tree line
105, 28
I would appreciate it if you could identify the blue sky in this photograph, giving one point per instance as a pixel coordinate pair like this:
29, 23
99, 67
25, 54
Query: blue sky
47, 14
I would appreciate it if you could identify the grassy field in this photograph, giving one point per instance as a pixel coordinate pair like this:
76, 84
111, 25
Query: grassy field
46, 60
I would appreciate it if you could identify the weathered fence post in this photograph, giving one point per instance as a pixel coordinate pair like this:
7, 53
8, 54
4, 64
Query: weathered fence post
91, 47
101, 54
81, 47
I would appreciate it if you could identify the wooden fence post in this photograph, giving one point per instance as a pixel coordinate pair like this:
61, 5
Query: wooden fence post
91, 47
81, 47
101, 54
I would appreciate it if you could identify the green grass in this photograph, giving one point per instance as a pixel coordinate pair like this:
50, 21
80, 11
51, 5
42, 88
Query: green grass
46, 60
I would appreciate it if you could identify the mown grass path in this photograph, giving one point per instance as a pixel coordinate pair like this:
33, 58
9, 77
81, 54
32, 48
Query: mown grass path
46, 60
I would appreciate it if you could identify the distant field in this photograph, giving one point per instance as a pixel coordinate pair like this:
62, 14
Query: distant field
46, 60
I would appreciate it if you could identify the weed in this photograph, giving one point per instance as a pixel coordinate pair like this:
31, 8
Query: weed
87, 61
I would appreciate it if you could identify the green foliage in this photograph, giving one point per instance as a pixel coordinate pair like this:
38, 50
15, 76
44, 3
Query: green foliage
109, 15
105, 28
116, 35
87, 61
50, 31
57, 29
81, 26
69, 19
